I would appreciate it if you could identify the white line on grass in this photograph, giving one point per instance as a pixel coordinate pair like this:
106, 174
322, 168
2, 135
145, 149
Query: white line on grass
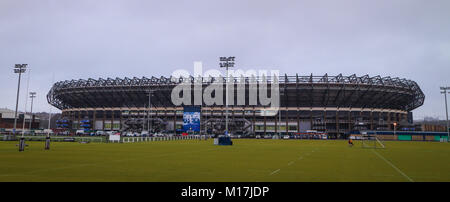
276, 171
292, 162
393, 166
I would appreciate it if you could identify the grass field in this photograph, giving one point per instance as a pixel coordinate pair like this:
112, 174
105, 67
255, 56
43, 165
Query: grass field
246, 160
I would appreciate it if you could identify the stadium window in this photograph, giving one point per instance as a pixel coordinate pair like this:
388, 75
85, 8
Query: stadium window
107, 125
282, 128
260, 127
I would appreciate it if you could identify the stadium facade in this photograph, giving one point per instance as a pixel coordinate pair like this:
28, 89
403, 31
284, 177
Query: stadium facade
335, 105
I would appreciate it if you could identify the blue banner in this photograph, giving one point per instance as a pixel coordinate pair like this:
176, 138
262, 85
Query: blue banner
191, 119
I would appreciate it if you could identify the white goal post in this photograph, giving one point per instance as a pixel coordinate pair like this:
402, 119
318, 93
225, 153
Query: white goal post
370, 140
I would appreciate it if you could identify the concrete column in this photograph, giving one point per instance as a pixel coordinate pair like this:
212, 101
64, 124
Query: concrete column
349, 120
264, 124
120, 122
298, 120
276, 122
78, 125
287, 121
254, 120
389, 123
371, 120
103, 120
232, 117
112, 119
94, 118
337, 121
325, 120
175, 121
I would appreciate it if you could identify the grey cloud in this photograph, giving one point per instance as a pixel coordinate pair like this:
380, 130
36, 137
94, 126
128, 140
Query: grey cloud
82, 39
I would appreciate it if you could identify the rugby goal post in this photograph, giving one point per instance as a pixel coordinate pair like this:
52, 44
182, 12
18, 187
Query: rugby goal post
370, 140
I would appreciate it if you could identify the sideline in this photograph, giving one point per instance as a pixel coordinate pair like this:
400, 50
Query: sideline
393, 166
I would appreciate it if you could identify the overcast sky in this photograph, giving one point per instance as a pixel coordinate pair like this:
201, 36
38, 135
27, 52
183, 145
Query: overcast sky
81, 39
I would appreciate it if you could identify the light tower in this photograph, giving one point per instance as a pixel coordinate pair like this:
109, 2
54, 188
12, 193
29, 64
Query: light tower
226, 62
22, 138
18, 69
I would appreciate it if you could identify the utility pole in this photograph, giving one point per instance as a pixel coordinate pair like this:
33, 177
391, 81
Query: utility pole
444, 91
26, 103
47, 139
18, 69
32, 96
22, 139
226, 62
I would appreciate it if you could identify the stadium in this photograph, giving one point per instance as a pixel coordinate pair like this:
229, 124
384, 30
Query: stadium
334, 105
132, 129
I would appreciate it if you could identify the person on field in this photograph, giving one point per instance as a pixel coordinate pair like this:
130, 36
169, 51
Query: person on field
350, 142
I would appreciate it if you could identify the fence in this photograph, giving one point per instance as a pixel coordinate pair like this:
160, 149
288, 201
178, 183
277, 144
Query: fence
105, 140
61, 138
166, 138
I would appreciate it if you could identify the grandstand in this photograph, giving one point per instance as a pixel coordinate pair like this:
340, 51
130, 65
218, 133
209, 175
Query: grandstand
335, 105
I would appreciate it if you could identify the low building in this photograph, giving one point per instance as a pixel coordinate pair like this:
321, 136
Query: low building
7, 120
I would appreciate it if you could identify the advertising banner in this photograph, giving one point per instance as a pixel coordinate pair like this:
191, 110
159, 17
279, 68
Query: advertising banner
191, 119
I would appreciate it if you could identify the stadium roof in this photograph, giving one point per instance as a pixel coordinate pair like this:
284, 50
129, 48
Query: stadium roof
313, 91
